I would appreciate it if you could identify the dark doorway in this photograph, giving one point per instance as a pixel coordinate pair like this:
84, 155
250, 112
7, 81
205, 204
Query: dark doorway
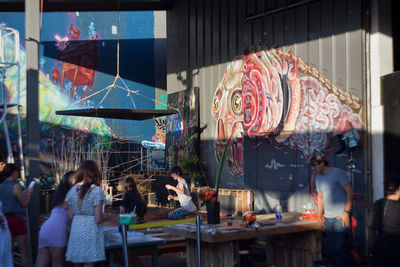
391, 103
396, 34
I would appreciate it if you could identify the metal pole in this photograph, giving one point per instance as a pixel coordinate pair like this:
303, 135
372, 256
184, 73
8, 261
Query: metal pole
32, 42
10, 157
352, 167
198, 223
21, 150
125, 244
141, 158
147, 159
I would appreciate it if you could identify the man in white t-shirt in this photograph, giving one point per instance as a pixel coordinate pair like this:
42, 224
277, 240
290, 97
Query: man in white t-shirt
335, 200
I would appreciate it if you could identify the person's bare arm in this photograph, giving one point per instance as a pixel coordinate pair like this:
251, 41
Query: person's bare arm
178, 189
70, 213
23, 197
320, 209
2, 221
173, 197
345, 216
349, 196
98, 213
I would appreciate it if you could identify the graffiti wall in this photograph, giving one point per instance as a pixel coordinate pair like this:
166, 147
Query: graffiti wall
78, 64
159, 137
275, 96
277, 111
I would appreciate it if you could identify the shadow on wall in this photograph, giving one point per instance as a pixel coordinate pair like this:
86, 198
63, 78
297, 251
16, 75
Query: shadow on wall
284, 172
136, 57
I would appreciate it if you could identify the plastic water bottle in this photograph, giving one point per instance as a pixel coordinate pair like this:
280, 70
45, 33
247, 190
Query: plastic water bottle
278, 212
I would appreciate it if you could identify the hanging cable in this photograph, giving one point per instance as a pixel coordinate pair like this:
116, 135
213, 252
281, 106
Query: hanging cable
117, 75
117, 78
118, 29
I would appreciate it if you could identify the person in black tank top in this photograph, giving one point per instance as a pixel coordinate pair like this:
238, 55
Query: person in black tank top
15, 202
132, 201
385, 223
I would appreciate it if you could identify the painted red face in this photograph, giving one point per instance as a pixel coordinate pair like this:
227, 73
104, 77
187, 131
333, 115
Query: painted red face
250, 101
227, 111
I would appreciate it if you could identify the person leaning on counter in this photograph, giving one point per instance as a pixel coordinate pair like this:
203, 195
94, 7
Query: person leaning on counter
335, 200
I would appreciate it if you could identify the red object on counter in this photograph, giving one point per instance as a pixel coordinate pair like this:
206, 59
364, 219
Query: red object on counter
310, 216
250, 216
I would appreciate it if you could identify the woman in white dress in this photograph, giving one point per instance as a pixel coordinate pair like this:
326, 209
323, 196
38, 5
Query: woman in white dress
5, 241
85, 200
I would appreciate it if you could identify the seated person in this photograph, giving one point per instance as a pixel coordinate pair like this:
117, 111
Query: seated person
131, 200
183, 195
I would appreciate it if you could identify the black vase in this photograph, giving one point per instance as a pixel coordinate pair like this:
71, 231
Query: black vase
213, 212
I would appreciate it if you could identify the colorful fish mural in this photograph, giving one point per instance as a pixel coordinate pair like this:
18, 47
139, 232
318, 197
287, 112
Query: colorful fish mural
275, 95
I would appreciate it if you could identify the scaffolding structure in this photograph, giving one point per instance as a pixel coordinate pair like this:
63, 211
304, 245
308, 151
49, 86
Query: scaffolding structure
10, 58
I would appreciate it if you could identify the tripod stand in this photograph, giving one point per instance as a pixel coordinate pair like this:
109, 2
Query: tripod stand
351, 142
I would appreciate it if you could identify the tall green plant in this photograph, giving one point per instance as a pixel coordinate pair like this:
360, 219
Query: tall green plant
221, 165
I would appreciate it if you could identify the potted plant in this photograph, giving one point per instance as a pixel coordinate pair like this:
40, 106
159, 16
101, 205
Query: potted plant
210, 196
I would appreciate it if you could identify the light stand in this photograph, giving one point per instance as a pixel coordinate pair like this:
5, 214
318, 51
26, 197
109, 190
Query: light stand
351, 164
351, 138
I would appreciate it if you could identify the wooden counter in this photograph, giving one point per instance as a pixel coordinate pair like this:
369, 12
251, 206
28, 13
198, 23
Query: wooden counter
292, 243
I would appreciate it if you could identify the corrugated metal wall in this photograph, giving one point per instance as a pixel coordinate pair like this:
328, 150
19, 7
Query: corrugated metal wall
326, 34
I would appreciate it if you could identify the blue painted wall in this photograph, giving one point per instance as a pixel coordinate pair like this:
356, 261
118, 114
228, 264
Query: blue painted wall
87, 42
136, 36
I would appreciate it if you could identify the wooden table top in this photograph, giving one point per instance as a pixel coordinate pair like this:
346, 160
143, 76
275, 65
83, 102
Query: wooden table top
113, 239
291, 223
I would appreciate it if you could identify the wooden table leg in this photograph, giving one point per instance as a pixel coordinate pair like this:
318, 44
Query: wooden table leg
154, 256
269, 252
295, 249
212, 254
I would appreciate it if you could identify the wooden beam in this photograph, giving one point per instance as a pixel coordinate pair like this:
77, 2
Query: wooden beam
87, 5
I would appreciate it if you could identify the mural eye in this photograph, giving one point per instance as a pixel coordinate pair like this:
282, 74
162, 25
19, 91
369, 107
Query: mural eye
216, 103
237, 103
